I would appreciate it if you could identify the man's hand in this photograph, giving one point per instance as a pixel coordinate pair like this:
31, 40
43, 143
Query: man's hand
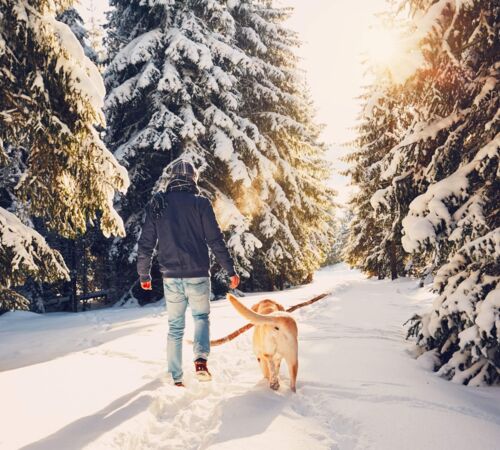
235, 281
146, 285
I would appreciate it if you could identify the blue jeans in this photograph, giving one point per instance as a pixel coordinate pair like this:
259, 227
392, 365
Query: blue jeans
178, 293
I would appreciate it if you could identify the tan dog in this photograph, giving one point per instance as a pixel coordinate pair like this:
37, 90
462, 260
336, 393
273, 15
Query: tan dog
275, 338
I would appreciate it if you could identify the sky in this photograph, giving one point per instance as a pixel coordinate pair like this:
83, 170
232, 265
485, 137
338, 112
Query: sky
336, 35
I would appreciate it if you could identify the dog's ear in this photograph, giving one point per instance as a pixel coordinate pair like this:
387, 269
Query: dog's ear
280, 307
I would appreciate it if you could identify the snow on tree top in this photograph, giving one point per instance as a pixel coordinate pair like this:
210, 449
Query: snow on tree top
136, 51
83, 72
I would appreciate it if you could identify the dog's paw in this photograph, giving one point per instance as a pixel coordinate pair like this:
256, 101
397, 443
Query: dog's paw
274, 385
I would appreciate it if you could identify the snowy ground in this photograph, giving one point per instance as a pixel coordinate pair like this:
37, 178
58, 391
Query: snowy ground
96, 380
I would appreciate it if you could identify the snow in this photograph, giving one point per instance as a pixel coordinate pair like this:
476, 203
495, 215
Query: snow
231, 4
179, 44
24, 247
425, 130
488, 312
223, 146
95, 380
421, 132
428, 211
417, 229
396, 157
171, 80
254, 38
488, 86
133, 87
378, 198
82, 71
227, 52
192, 127
137, 51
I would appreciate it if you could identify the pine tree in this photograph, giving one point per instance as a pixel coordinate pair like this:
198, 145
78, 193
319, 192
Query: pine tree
50, 100
374, 242
96, 33
436, 182
456, 219
295, 218
183, 81
11, 171
342, 229
172, 92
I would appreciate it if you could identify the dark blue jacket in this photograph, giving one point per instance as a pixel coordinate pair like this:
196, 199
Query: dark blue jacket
183, 227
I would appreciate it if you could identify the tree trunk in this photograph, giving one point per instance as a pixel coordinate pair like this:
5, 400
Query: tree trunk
393, 260
73, 274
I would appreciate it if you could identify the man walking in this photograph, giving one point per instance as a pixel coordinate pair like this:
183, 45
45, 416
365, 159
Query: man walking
183, 225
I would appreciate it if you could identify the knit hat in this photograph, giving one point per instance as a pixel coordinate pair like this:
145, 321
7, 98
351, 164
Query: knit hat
183, 168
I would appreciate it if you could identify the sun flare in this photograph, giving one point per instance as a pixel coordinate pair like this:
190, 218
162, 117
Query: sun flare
383, 47
387, 51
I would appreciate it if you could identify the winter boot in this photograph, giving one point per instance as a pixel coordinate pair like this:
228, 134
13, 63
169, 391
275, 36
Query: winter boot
202, 373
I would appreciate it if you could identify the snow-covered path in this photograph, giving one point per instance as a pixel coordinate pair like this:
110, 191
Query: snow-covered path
96, 380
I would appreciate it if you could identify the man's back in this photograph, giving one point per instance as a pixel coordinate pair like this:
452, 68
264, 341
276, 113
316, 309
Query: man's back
183, 224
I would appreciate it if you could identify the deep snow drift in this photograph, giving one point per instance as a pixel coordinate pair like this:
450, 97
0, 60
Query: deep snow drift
96, 380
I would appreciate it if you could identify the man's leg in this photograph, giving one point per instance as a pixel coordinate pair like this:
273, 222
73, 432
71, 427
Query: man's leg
198, 295
176, 308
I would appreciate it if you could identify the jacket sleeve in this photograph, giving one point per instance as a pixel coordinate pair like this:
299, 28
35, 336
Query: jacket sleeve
215, 239
146, 246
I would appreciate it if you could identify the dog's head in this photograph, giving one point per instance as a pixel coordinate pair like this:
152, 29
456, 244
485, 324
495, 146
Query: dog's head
267, 306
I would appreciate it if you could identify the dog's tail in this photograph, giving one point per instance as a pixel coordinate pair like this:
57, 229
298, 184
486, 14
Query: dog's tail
251, 316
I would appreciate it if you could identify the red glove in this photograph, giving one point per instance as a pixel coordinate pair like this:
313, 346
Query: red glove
146, 285
235, 281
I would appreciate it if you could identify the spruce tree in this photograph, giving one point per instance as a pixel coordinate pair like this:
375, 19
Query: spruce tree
182, 82
96, 32
374, 242
50, 101
436, 181
342, 227
172, 92
456, 219
295, 220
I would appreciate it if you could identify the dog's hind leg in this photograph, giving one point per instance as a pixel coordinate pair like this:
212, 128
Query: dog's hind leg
277, 363
263, 366
273, 375
293, 367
